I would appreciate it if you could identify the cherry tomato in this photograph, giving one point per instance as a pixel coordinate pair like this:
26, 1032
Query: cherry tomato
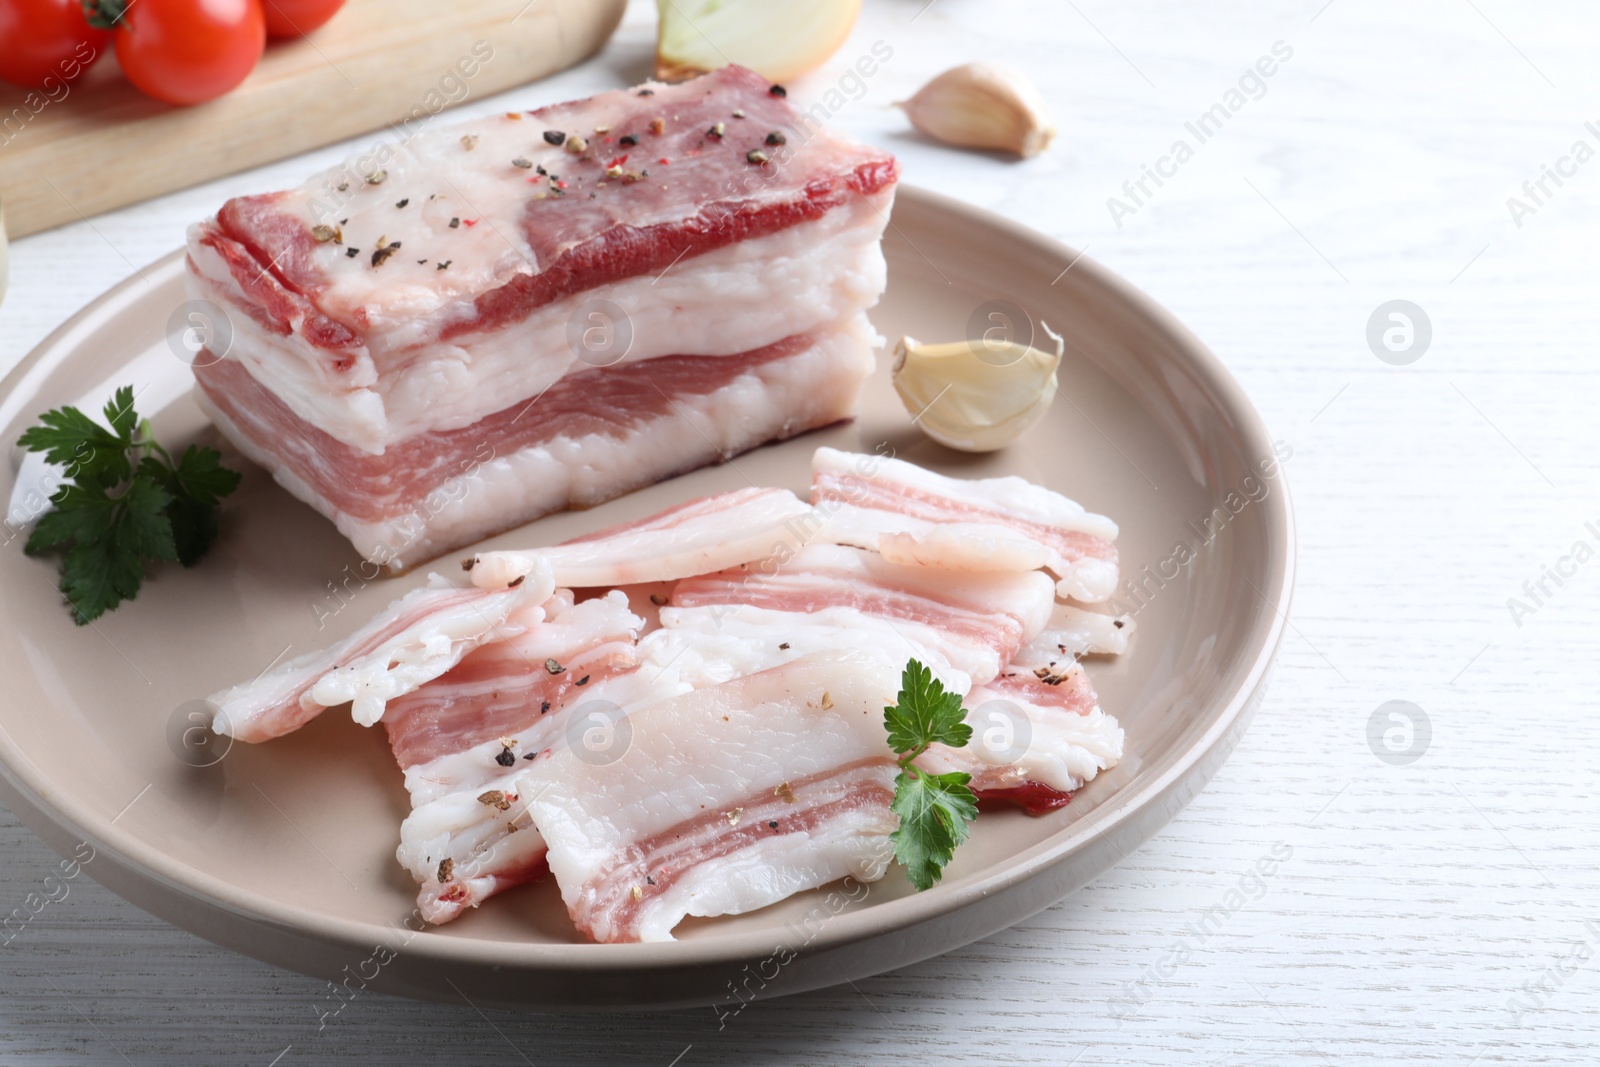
45, 38
296, 18
190, 51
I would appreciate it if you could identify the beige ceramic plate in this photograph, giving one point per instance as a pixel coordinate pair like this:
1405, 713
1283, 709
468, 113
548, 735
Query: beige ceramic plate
285, 851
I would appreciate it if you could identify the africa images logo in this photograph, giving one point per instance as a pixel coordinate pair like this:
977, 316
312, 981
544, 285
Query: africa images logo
1252, 85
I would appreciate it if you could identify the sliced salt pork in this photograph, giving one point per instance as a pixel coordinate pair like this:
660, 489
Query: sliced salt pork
964, 626
466, 738
709, 534
914, 516
1037, 737
723, 800
416, 639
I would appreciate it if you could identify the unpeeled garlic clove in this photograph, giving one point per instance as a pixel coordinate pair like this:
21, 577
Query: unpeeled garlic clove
981, 105
975, 396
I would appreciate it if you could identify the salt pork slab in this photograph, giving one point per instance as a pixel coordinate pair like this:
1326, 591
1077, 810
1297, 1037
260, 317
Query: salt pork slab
545, 309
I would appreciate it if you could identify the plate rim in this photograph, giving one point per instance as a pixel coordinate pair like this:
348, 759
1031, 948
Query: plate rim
145, 861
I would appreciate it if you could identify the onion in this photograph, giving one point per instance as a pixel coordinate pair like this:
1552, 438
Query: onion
778, 39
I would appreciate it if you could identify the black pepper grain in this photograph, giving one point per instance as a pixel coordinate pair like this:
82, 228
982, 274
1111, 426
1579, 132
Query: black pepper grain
554, 137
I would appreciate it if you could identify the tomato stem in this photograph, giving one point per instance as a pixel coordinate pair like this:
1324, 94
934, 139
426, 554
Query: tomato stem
105, 14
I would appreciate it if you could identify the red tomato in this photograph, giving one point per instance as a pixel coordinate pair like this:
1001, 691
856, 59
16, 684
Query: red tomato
190, 51
296, 18
44, 38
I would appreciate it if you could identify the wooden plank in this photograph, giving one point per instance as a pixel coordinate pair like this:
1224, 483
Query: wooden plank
394, 63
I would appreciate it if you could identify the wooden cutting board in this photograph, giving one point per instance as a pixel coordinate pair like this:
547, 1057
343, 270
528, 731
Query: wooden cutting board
377, 64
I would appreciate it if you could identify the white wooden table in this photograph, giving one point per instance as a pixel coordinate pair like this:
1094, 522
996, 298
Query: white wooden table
1444, 910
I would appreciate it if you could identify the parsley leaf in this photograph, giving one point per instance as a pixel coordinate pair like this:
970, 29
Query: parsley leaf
934, 809
125, 502
87, 450
119, 413
82, 513
196, 483
925, 713
97, 576
142, 526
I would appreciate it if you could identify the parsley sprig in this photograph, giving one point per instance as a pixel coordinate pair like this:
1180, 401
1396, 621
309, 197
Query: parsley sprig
125, 501
934, 809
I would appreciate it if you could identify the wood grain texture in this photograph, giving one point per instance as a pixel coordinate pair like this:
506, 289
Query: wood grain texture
100, 143
1421, 904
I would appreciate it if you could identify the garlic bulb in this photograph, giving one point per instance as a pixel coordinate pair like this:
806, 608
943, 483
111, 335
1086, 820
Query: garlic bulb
981, 105
975, 396
778, 39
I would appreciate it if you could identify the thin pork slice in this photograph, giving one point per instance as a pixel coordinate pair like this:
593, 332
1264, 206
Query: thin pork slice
416, 639
422, 290
1075, 632
911, 515
596, 434
465, 739
711, 533
964, 626
1036, 738
724, 800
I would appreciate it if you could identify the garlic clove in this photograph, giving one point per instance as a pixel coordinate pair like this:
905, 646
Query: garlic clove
981, 105
778, 39
975, 396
